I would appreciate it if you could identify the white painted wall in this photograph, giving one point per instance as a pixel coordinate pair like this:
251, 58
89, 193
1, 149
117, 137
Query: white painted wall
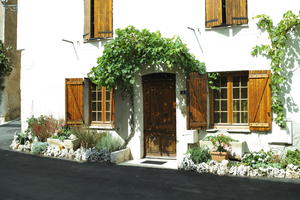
47, 60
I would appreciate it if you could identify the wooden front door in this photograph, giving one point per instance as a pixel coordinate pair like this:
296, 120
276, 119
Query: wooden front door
159, 114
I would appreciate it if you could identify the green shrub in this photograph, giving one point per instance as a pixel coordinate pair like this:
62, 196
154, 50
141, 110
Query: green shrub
22, 138
86, 138
261, 159
38, 147
63, 133
109, 143
291, 157
199, 154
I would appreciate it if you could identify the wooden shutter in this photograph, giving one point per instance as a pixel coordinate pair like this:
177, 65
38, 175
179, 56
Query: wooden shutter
260, 116
87, 20
74, 101
103, 25
213, 13
112, 107
197, 101
236, 12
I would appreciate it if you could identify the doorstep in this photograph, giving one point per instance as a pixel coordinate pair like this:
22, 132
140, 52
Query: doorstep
152, 163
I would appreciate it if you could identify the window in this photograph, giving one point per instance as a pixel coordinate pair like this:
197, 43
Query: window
225, 12
243, 99
101, 105
88, 104
98, 23
230, 102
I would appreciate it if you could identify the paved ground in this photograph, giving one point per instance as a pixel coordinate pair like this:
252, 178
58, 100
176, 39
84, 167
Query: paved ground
24, 176
7, 132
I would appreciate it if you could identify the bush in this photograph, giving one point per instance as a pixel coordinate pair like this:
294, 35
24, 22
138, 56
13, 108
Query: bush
109, 143
38, 147
22, 138
199, 155
99, 156
86, 137
43, 127
261, 159
291, 157
63, 133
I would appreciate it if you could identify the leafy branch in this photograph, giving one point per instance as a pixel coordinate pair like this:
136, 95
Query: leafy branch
276, 51
133, 49
5, 66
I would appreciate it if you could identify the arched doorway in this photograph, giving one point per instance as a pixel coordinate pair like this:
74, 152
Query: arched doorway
159, 100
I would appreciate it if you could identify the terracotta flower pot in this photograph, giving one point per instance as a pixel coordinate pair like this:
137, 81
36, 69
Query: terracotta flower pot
219, 156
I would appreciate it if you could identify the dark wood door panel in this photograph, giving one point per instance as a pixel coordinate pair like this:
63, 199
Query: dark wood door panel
159, 114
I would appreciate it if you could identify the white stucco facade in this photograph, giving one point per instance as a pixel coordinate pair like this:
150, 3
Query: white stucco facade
50, 37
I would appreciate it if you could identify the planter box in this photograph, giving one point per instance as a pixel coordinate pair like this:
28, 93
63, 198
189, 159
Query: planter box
219, 156
61, 144
238, 148
120, 156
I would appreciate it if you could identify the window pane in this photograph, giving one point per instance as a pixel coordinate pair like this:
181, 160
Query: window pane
236, 117
224, 117
236, 81
107, 95
244, 117
94, 106
94, 116
93, 96
244, 92
107, 116
224, 105
99, 116
236, 93
244, 105
216, 94
107, 106
216, 105
244, 80
224, 93
99, 106
236, 105
99, 96
223, 82
216, 117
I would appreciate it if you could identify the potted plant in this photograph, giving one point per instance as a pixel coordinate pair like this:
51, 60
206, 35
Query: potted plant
221, 148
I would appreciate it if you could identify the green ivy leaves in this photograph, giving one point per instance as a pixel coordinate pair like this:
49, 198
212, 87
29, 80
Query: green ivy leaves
5, 67
276, 51
133, 49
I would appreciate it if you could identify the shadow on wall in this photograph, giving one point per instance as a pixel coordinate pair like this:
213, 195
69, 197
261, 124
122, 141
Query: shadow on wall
291, 64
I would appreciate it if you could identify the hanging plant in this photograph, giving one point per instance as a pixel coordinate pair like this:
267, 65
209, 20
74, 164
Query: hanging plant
132, 50
276, 52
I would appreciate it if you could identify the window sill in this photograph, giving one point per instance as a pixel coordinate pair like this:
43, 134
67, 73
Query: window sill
102, 127
97, 39
227, 27
230, 129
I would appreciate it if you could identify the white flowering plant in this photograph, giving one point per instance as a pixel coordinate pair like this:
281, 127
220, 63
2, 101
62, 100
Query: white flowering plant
260, 159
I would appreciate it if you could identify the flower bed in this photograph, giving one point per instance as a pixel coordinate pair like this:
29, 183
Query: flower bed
48, 137
240, 169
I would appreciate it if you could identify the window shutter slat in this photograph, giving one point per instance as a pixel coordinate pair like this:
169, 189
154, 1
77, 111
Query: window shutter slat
87, 20
260, 116
103, 24
236, 12
213, 13
197, 101
74, 101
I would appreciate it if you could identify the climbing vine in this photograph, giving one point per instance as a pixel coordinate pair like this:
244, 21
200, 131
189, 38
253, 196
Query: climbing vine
5, 67
276, 51
133, 49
